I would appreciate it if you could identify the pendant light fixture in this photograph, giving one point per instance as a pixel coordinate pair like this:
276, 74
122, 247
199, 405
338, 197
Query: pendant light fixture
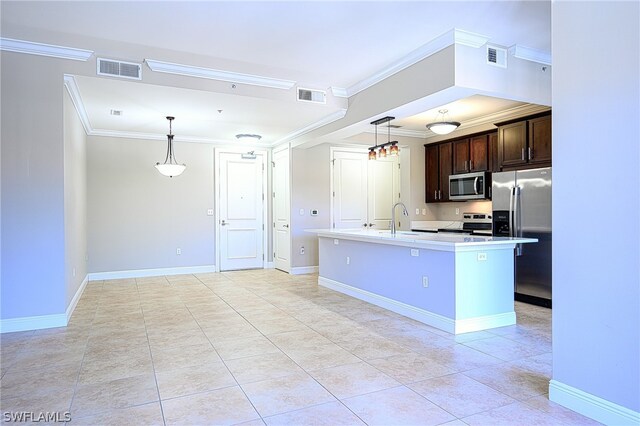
393, 145
170, 167
443, 126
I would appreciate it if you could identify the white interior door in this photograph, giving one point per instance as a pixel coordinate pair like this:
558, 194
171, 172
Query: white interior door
383, 191
241, 220
349, 189
281, 211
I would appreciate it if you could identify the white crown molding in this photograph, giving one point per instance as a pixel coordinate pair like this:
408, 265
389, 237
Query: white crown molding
76, 99
439, 43
163, 137
212, 74
401, 132
337, 115
339, 92
467, 38
507, 114
530, 54
33, 48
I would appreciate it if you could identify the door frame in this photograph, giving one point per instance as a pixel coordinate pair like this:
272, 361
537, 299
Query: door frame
284, 147
264, 154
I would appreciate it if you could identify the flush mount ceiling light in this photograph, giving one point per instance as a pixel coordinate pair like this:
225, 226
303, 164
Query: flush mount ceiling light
393, 149
443, 127
248, 137
170, 167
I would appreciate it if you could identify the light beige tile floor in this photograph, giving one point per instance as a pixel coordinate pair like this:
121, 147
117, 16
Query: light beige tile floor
264, 347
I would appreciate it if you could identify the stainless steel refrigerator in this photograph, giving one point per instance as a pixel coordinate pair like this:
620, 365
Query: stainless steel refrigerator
522, 207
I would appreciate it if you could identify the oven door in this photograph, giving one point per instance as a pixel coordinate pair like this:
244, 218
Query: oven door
469, 186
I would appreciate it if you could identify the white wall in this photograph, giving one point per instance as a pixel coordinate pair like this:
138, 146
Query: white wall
33, 250
596, 314
137, 217
75, 200
310, 189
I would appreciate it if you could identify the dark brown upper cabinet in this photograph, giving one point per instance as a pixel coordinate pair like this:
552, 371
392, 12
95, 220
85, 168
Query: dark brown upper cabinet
525, 142
471, 154
539, 150
438, 162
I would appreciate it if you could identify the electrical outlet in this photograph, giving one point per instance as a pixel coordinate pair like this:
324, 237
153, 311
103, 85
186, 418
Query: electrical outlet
457, 211
336, 241
178, 251
348, 260
424, 212
417, 211
302, 250
425, 282
209, 212
415, 252
482, 257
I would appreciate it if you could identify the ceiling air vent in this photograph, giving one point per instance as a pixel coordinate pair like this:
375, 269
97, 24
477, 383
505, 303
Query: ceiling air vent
497, 56
310, 95
120, 69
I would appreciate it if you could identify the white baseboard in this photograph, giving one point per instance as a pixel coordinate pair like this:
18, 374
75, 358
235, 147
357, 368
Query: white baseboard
141, 273
299, 270
591, 406
485, 323
269, 265
33, 323
76, 298
429, 318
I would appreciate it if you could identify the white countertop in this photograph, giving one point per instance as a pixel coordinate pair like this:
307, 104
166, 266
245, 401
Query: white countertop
434, 241
434, 225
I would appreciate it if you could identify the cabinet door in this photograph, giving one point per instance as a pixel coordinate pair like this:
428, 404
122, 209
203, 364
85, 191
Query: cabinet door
446, 162
479, 154
460, 156
431, 173
512, 143
494, 163
540, 140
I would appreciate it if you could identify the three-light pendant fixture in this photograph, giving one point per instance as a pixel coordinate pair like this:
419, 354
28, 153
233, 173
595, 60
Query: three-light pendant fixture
382, 151
170, 167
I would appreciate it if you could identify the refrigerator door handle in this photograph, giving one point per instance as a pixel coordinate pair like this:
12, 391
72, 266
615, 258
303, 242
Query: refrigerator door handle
511, 224
516, 218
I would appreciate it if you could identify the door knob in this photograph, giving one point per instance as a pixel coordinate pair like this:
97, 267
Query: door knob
285, 226
222, 222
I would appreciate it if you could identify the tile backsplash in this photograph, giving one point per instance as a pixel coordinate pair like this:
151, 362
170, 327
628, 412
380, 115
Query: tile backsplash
447, 211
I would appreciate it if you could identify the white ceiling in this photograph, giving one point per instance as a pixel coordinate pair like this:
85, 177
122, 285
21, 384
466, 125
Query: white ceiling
318, 44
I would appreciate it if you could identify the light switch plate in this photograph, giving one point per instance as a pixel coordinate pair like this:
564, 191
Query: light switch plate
417, 211
301, 212
482, 257
336, 241
415, 252
424, 212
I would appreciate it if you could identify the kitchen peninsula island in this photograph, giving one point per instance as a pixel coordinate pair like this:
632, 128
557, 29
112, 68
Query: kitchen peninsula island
457, 283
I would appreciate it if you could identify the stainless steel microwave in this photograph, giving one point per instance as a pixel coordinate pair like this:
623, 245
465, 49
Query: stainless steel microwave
470, 186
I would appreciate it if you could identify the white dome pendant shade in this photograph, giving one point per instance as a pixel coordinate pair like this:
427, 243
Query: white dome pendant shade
443, 127
170, 167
